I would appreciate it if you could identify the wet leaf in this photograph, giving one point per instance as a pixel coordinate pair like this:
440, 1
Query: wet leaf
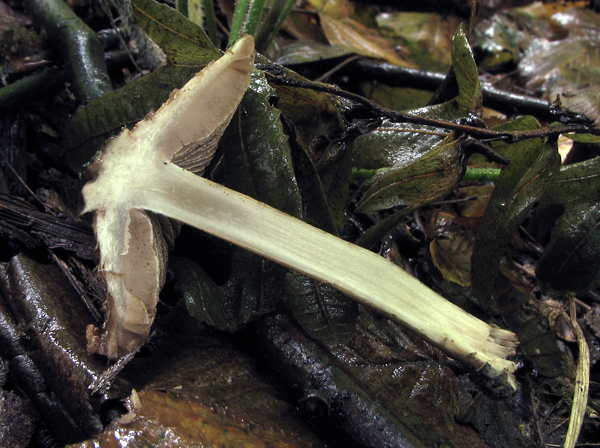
430, 177
554, 66
533, 165
465, 70
571, 261
256, 158
395, 144
302, 52
400, 144
323, 312
499, 39
166, 420
428, 36
252, 289
575, 184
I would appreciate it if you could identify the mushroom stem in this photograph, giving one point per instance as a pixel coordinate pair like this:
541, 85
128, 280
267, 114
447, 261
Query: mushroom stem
152, 168
357, 272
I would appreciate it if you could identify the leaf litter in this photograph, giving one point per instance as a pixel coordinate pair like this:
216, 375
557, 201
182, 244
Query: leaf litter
521, 186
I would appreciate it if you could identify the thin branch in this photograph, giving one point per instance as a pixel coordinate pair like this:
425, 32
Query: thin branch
403, 117
81, 48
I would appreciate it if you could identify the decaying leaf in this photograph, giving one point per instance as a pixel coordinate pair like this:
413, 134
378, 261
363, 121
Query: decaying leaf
451, 248
168, 420
343, 31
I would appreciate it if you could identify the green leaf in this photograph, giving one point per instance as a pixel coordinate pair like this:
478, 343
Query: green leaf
421, 182
465, 70
533, 165
252, 289
183, 42
323, 312
571, 261
575, 183
419, 174
315, 206
203, 298
256, 156
395, 144
584, 138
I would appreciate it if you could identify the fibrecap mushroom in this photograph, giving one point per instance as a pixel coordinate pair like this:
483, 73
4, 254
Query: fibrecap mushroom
153, 172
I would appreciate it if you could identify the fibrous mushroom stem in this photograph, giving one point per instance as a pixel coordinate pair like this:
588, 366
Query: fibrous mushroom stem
152, 169
357, 272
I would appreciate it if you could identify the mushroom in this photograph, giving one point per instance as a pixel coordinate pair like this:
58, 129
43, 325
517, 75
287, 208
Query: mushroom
151, 172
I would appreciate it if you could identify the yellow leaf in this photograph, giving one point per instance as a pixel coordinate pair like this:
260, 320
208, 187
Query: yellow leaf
350, 35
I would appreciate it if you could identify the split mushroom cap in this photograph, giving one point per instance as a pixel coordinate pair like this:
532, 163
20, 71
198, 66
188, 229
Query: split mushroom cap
184, 131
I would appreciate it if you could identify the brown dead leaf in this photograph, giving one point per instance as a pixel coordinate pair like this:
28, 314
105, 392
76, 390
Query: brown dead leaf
348, 34
167, 420
451, 248
339, 9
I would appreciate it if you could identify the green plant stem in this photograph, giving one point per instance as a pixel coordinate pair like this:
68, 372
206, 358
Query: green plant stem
272, 23
254, 17
28, 90
364, 174
238, 20
471, 175
211, 21
482, 174
182, 7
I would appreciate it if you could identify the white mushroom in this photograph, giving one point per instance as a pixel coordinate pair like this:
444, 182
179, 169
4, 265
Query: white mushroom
154, 168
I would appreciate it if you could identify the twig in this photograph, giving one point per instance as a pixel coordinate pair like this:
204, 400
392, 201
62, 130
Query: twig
83, 52
396, 76
29, 89
403, 117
